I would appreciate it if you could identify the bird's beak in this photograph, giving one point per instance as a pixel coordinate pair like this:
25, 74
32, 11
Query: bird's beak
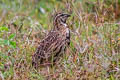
68, 15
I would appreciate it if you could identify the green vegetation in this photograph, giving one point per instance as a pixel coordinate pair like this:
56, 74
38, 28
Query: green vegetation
94, 52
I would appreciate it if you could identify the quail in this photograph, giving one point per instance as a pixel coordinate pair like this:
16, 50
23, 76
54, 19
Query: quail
55, 43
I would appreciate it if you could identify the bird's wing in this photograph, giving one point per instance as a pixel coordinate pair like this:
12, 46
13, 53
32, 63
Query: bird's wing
49, 44
44, 48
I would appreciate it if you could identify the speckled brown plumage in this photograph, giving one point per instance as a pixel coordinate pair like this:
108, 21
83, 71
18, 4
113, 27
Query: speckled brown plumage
54, 43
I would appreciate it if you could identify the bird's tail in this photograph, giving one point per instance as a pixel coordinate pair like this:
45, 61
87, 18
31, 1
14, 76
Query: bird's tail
34, 61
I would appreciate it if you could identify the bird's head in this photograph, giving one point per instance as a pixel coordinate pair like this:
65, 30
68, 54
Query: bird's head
60, 18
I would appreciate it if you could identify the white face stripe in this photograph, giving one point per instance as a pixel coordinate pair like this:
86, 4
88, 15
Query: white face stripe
67, 30
65, 25
67, 33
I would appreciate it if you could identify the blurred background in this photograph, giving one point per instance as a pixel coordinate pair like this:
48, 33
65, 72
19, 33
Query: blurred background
94, 52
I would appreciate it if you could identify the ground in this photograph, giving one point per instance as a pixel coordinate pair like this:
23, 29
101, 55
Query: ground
94, 52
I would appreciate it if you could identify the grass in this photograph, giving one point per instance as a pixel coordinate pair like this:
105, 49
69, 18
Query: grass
94, 52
